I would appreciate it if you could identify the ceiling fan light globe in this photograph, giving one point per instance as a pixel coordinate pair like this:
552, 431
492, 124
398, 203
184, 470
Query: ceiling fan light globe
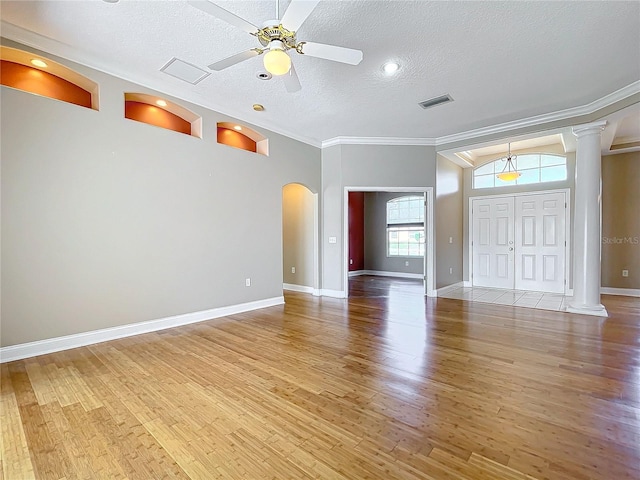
277, 62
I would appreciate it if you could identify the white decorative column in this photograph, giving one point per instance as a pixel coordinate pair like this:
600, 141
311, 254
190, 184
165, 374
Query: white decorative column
587, 237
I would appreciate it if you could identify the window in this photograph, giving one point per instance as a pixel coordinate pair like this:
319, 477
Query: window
534, 168
405, 226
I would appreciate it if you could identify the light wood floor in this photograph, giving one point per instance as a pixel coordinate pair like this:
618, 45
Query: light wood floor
386, 385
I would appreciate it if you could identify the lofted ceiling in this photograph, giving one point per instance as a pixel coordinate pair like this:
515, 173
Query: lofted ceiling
500, 61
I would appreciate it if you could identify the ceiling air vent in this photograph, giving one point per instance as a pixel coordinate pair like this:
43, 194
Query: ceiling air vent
184, 71
432, 102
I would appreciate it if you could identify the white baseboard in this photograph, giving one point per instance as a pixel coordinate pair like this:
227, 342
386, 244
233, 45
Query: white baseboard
298, 288
382, 273
50, 345
325, 292
596, 312
357, 273
628, 292
453, 286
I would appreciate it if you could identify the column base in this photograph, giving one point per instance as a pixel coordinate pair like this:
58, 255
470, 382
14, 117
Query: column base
596, 310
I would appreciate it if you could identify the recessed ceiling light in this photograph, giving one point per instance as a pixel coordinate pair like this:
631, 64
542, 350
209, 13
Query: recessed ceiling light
237, 127
111, 1
162, 103
390, 68
257, 107
38, 63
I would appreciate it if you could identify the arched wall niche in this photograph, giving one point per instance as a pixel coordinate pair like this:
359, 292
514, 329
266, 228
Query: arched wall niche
46, 78
159, 112
240, 136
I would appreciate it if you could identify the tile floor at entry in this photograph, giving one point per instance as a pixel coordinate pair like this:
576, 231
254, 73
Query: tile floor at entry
517, 298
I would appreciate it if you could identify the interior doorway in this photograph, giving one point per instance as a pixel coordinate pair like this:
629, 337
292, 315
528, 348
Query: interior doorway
426, 273
520, 241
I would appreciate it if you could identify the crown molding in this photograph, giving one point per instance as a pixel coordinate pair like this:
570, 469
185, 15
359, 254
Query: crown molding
621, 150
610, 99
429, 142
53, 47
73, 54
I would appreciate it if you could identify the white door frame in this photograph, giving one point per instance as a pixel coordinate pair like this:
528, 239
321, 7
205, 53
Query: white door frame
429, 247
567, 225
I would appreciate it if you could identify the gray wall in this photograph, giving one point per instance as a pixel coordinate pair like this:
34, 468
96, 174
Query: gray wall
331, 215
298, 235
364, 166
621, 220
108, 221
448, 223
375, 236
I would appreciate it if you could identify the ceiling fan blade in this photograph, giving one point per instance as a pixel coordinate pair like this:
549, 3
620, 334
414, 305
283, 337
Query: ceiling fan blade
291, 81
332, 52
222, 14
233, 59
297, 13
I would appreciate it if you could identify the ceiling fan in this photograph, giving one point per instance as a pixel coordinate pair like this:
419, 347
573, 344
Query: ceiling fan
278, 37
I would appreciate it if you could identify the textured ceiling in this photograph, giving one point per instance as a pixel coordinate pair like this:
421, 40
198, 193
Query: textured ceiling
500, 61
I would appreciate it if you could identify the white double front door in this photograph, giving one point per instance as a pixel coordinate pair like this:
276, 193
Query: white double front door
519, 242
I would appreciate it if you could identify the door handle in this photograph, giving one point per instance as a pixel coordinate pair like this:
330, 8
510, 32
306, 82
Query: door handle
511, 249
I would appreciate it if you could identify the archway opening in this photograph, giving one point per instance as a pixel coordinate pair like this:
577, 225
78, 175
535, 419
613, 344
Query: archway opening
299, 239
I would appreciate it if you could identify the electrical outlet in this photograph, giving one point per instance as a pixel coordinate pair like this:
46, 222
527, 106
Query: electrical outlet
625, 273
293, 269
247, 282
450, 239
333, 240
406, 264
351, 261
450, 270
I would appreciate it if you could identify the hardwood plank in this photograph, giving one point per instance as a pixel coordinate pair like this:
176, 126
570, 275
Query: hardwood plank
386, 384
15, 456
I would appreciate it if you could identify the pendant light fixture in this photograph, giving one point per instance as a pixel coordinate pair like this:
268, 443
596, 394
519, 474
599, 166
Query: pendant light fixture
509, 172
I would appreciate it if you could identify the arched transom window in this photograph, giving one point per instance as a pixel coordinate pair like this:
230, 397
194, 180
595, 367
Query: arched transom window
405, 226
533, 168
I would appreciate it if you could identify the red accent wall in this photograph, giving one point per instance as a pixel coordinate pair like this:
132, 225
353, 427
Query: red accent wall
356, 230
143, 112
235, 139
42, 83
